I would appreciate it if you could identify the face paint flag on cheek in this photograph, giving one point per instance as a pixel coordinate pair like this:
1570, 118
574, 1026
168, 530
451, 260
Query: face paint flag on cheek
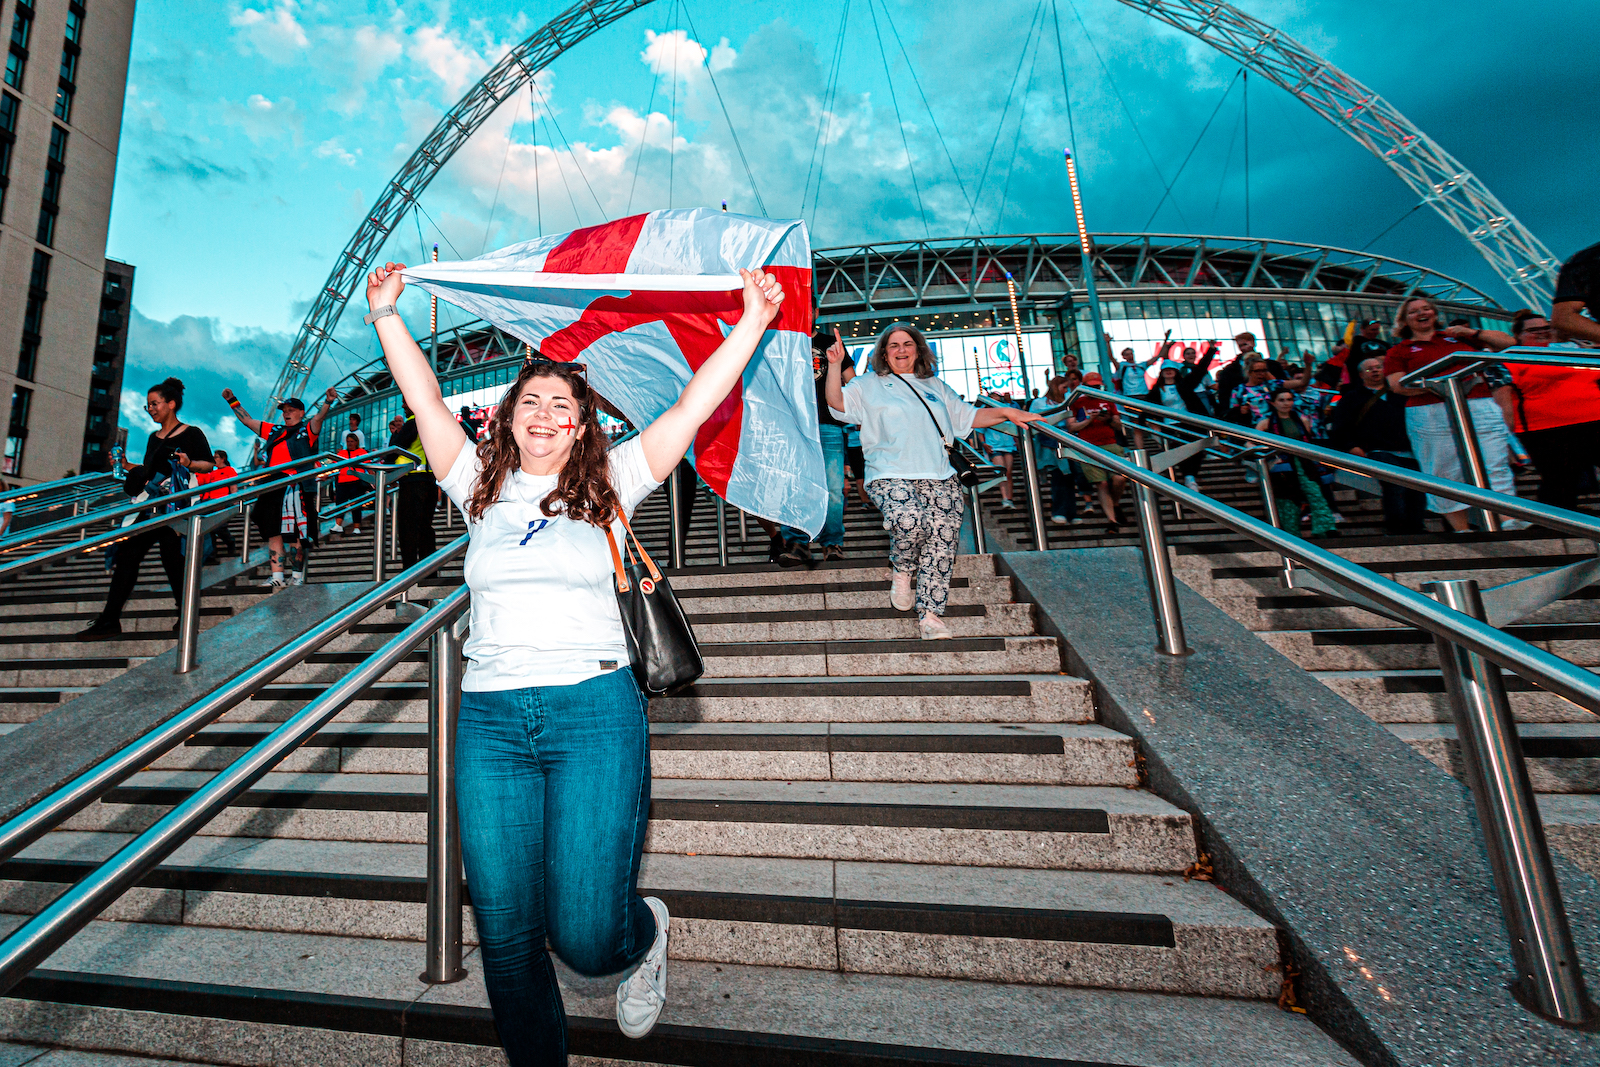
644, 301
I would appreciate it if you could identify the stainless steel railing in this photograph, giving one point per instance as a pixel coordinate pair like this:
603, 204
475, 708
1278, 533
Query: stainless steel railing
1471, 651
35, 940
194, 515
1448, 378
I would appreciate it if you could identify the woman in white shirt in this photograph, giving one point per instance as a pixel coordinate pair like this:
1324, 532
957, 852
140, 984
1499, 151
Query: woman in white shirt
553, 757
908, 419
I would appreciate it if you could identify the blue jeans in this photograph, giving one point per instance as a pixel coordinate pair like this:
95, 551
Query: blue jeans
553, 790
833, 466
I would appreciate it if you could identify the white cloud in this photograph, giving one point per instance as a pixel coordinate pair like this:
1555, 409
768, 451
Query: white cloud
332, 149
275, 33
366, 53
454, 64
265, 120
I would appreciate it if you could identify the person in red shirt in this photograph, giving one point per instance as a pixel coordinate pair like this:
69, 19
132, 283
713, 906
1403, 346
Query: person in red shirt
219, 470
281, 514
1554, 411
1422, 341
1097, 422
349, 485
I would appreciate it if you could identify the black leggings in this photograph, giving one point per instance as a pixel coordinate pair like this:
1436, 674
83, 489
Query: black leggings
125, 572
1563, 455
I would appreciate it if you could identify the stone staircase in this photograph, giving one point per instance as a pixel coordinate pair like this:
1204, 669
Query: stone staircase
875, 849
1391, 671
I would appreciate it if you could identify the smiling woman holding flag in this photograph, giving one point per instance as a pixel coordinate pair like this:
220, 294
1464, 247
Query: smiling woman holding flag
553, 778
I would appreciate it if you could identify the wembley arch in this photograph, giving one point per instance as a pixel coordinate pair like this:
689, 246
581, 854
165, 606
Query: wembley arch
1438, 179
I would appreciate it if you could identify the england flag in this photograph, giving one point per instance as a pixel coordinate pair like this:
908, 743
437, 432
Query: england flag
644, 301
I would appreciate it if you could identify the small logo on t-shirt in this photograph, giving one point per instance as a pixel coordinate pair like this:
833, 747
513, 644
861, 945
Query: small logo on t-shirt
931, 396
608, 664
533, 527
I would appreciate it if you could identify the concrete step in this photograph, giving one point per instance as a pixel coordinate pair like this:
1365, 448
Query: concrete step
1561, 757
861, 624
1059, 754
1069, 928
1417, 696
238, 997
935, 699
1408, 649
1046, 826
827, 596
961, 655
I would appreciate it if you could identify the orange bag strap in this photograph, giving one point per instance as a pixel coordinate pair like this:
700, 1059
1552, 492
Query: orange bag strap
616, 561
650, 564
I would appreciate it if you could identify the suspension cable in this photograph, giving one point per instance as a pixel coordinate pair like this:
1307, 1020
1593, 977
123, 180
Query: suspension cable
1016, 140
748, 173
538, 194
644, 134
672, 130
1066, 91
1125, 109
911, 68
830, 99
1010, 93
1190, 155
1227, 163
550, 117
576, 216
501, 180
905, 141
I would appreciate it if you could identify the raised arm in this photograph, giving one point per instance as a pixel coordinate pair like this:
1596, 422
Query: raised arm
833, 388
254, 425
667, 438
1568, 317
314, 423
442, 436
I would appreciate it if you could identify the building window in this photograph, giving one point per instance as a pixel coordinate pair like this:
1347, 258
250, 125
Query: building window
9, 106
14, 64
17, 55
33, 316
64, 103
17, 433
50, 201
69, 63
58, 145
74, 26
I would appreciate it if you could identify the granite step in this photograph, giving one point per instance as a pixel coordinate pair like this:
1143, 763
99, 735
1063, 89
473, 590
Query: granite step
960, 655
234, 997
1418, 696
824, 596
1073, 928
1060, 754
1405, 648
1561, 757
1049, 826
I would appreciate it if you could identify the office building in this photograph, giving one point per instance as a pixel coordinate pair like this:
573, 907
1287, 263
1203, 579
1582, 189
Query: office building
63, 306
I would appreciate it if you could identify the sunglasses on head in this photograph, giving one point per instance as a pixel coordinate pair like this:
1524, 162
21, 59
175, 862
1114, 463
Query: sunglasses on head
545, 361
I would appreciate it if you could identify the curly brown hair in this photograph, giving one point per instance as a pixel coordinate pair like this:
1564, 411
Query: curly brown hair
583, 490
922, 368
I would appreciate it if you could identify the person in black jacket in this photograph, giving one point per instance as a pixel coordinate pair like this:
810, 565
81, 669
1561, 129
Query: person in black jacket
173, 452
1179, 388
1370, 421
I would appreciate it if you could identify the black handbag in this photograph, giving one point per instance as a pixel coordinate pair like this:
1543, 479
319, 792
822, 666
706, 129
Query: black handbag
661, 645
966, 473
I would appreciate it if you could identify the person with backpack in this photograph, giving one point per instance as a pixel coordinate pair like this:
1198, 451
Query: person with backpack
281, 514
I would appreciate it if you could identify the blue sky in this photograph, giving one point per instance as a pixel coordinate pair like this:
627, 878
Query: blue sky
257, 133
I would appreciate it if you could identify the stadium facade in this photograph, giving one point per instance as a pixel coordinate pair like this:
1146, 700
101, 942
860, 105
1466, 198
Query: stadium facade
1297, 299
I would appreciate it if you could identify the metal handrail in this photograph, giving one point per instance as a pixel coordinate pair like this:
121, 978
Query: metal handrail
1469, 362
33, 942
45, 814
28, 492
1550, 976
1559, 520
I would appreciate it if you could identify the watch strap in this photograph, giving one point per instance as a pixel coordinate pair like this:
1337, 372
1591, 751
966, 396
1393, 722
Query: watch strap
378, 313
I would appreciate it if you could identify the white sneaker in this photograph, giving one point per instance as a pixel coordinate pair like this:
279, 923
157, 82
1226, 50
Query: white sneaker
337, 529
1191, 482
298, 578
277, 582
355, 530
1515, 524
643, 994
900, 595
1058, 520
932, 628
1008, 505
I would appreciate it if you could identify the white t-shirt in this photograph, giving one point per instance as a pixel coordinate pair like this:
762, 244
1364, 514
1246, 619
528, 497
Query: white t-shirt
898, 439
544, 603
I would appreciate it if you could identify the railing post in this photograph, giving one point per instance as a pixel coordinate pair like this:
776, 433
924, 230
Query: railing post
677, 536
1549, 975
189, 604
394, 523
1030, 478
1269, 504
980, 540
248, 511
1158, 565
443, 960
1465, 432
379, 520
722, 531
744, 528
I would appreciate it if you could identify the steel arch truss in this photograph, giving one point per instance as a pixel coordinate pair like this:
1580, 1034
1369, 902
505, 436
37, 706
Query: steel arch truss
1048, 267
1437, 177
509, 75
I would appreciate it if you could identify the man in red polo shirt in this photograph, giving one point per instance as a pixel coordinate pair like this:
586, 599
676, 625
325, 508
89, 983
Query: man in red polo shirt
1422, 341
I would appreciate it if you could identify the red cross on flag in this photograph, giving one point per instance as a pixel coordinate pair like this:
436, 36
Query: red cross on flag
643, 301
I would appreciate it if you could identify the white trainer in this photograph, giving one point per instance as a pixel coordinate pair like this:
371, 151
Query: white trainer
932, 628
643, 994
1191, 482
901, 598
297, 578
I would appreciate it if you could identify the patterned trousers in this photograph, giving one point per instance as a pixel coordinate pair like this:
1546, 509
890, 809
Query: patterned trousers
923, 517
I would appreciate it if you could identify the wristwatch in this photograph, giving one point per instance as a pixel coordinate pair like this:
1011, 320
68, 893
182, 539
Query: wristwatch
378, 313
